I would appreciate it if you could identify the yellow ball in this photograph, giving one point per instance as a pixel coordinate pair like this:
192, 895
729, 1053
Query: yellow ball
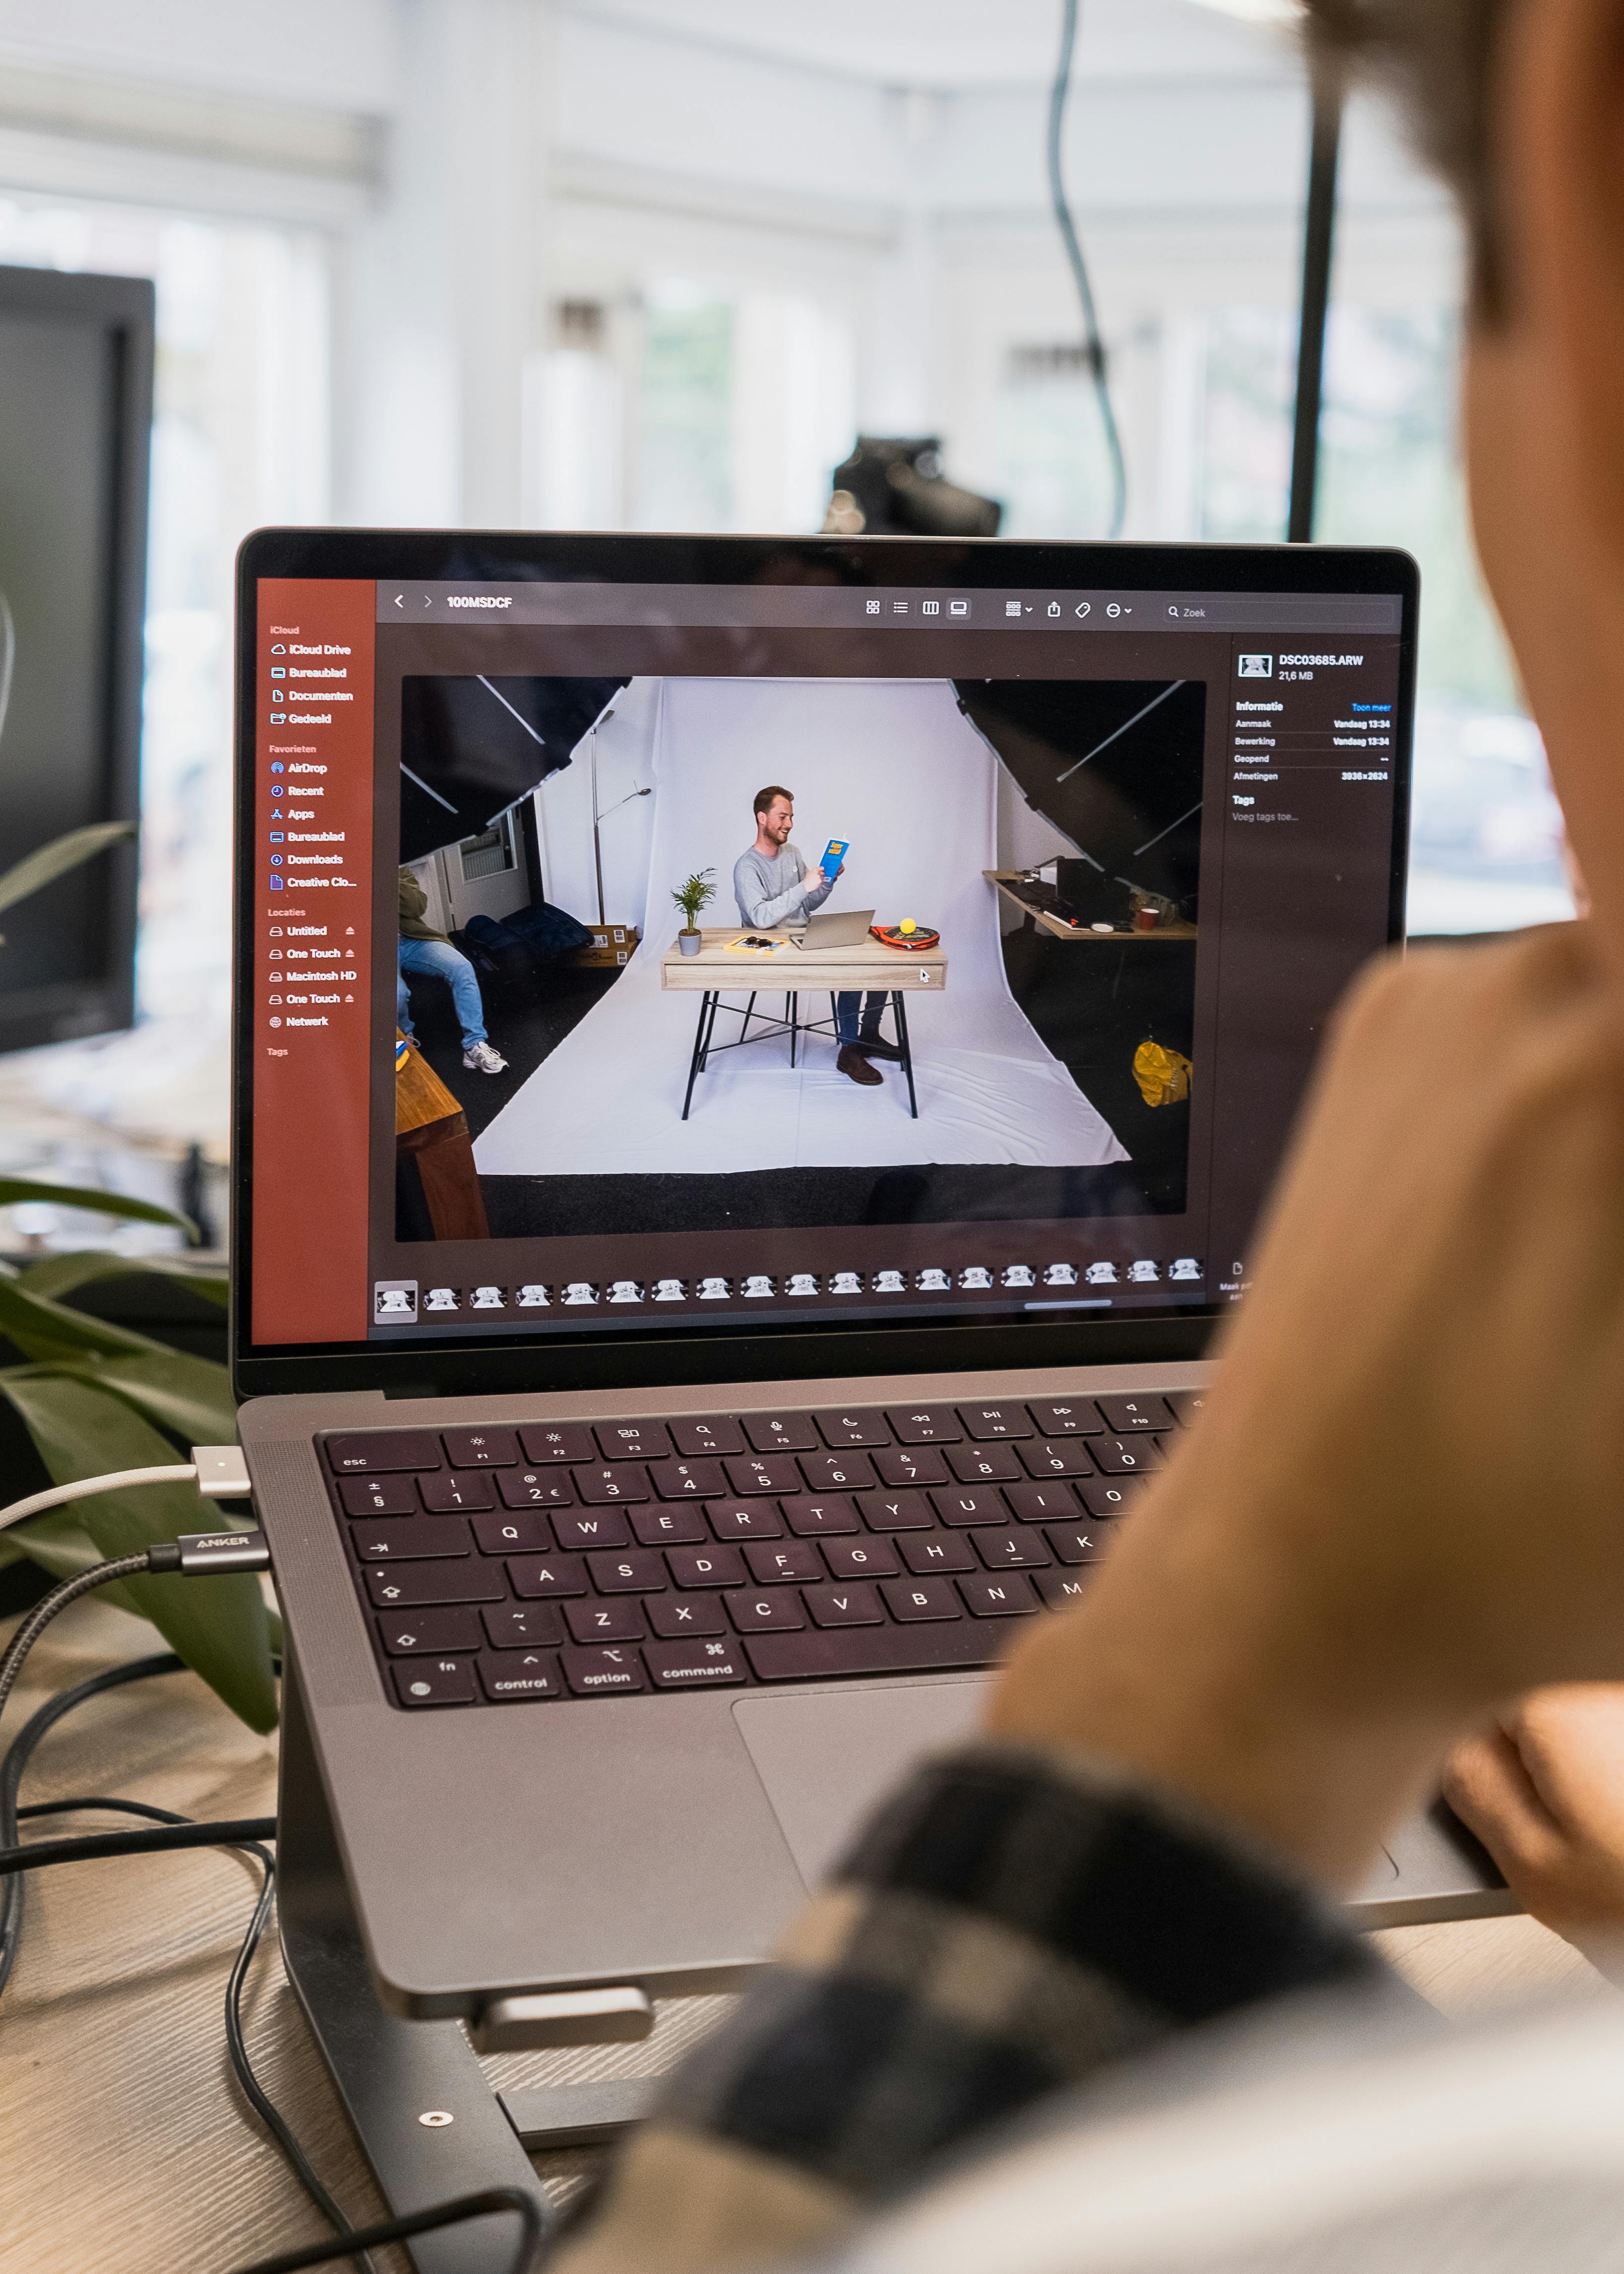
907, 924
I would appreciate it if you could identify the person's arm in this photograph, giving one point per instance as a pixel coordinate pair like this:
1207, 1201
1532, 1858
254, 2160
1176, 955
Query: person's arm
820, 891
762, 912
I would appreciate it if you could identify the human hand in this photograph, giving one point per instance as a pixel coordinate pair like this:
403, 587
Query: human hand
1405, 1499
813, 878
1543, 1788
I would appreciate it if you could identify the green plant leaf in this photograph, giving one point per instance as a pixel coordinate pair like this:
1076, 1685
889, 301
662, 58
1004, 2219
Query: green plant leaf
62, 1546
189, 1397
50, 1332
57, 1275
43, 866
218, 1625
91, 1198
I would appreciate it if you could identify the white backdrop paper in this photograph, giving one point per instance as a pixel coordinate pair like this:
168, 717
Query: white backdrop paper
895, 766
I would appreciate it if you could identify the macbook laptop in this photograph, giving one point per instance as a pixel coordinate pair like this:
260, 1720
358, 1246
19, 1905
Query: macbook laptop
826, 930
645, 1494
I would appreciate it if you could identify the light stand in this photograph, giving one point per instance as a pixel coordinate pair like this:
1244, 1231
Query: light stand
598, 818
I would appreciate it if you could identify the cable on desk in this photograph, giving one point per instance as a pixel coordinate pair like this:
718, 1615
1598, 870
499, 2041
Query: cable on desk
177, 1832
425, 2222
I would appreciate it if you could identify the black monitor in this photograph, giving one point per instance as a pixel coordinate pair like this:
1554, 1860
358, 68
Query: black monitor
76, 384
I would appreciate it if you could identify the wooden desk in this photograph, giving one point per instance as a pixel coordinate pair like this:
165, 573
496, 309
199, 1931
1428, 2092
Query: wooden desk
122, 2149
870, 969
1009, 884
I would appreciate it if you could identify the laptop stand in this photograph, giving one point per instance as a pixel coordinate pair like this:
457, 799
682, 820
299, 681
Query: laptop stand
428, 2121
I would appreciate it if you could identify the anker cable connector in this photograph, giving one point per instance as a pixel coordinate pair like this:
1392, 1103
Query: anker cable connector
198, 1553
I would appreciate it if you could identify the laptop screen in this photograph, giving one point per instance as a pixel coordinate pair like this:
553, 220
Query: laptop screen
666, 941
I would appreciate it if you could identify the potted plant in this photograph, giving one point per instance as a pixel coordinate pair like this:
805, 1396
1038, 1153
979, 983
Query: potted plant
692, 898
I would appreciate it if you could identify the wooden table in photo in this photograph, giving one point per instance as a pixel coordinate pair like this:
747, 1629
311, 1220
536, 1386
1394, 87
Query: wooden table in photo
1009, 881
869, 970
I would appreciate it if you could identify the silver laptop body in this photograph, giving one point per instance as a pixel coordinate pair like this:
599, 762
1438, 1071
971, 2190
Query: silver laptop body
848, 929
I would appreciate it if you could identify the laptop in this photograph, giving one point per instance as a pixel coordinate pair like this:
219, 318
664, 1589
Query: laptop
824, 930
644, 1495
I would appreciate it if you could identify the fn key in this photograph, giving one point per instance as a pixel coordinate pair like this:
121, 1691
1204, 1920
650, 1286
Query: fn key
435, 1682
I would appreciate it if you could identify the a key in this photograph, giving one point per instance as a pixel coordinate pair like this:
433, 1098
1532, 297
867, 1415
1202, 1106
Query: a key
1014, 1550
781, 1433
632, 1441
638, 1572
1077, 1543
399, 1586
1123, 1414
1073, 1417
773, 1472
511, 1533
1059, 1588
913, 1600
924, 1425
969, 1504
593, 1527
687, 1479
547, 1575
481, 1449
843, 1607
597, 1620
694, 1439
669, 1527
861, 1558
592, 1673
1119, 1456
898, 1465
1186, 1403
508, 1680
1042, 1503
443, 1494
404, 1633
981, 1464
536, 1488
675, 1616
942, 1551
386, 1449
999, 1599
523, 1626
797, 1561
895, 1511
411, 1543
1055, 1457
746, 1519
435, 1682
837, 1471
983, 1422
557, 1441
753, 1612
379, 1496
821, 1653
695, 1665
705, 1567
612, 1483
853, 1426
810, 1515
1109, 1496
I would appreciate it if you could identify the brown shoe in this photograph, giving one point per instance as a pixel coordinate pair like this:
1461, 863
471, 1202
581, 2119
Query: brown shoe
855, 1067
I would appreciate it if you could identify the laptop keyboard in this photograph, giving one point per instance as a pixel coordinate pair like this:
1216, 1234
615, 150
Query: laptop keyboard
568, 1559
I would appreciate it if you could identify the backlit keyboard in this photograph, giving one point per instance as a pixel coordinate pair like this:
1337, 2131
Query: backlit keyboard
570, 1559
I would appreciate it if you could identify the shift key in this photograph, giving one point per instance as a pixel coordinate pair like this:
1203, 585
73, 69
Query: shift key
471, 1580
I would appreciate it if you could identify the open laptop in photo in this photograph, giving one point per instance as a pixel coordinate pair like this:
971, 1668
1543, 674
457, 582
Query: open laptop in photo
835, 930
644, 1493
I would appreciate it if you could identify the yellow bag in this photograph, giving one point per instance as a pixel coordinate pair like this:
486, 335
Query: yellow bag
1163, 1075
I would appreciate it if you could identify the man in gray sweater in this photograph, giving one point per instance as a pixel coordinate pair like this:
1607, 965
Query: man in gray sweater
774, 885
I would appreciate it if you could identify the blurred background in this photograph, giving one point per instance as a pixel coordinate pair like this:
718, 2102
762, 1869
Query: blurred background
654, 264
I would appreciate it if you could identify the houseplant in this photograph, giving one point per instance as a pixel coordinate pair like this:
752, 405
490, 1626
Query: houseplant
692, 898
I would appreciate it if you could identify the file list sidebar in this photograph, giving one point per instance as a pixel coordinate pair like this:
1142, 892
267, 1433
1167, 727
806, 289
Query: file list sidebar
311, 981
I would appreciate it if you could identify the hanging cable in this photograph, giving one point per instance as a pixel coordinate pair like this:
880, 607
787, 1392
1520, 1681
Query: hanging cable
1094, 346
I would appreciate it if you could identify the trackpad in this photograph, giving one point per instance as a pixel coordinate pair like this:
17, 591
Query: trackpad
826, 1759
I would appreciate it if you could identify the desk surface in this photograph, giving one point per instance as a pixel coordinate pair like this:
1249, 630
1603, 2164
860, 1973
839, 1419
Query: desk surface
122, 2149
800, 971
1009, 883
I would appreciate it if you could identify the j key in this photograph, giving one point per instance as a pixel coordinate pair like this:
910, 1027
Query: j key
924, 1425
998, 1599
615, 1481
837, 1471
597, 1527
600, 1672
523, 1626
638, 1572
1059, 1588
861, 1558
797, 1561
1119, 1456
1042, 1503
482, 1449
852, 1428
675, 1616
435, 1682
705, 1567
913, 1600
536, 1488
1054, 1456
632, 1441
809, 1515
509, 1681
984, 1421
1078, 1543
895, 1511
390, 1449
897, 1466
669, 1527
601, 1621
443, 1493
969, 1504
558, 1440
512, 1534
379, 1496
1186, 1404
759, 1614
1109, 1495
773, 1472
843, 1607
404, 1632
977, 1465
405, 1543
693, 1438
781, 1433
400, 1586
942, 1551
1015, 1549
1076, 1417
547, 1575
745, 1519
1124, 1413
687, 1479
696, 1665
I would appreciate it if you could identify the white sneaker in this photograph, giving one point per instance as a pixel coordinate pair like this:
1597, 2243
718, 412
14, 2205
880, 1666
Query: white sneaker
483, 1059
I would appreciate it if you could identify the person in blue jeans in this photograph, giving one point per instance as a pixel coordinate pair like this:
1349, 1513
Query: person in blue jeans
430, 954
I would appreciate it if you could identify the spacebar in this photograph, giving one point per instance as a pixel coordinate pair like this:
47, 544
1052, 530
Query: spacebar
815, 1655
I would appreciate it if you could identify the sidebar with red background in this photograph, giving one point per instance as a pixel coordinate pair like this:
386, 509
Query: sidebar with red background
310, 983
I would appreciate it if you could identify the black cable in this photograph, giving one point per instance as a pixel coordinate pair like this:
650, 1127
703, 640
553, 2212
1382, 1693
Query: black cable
425, 2222
36, 1622
1093, 345
177, 1832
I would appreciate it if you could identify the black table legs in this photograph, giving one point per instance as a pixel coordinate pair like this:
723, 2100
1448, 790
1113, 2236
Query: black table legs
705, 1027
